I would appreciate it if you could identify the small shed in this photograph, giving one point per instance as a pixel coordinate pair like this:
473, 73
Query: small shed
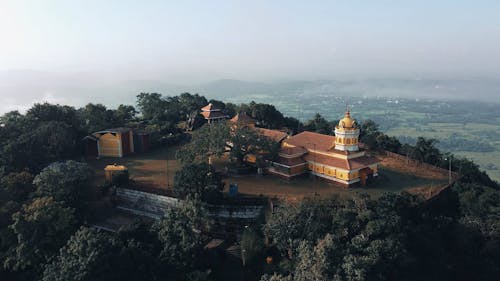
111, 170
115, 142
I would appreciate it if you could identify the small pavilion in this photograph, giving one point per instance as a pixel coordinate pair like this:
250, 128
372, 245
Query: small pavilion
211, 113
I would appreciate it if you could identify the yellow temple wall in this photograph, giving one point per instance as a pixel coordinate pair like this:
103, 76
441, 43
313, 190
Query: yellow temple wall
330, 171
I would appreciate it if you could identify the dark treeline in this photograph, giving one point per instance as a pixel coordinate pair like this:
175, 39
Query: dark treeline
47, 199
394, 237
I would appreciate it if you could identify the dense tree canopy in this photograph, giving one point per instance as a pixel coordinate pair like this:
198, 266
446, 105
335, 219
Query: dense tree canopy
207, 142
198, 179
213, 140
93, 255
393, 237
41, 227
17, 185
68, 182
320, 125
180, 235
44, 194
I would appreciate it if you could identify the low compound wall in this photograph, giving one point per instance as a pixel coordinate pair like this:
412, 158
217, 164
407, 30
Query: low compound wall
143, 203
155, 206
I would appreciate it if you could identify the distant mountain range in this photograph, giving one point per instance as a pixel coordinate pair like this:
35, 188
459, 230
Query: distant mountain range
21, 88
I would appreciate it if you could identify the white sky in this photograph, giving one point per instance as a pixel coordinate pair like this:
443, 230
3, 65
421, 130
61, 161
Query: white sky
198, 41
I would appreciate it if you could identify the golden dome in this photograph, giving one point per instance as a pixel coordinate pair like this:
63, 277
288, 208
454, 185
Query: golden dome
347, 121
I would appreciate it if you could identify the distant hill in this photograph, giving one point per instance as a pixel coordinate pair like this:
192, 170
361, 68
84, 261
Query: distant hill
21, 88
475, 89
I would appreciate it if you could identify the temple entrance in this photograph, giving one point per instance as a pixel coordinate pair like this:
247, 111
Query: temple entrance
364, 175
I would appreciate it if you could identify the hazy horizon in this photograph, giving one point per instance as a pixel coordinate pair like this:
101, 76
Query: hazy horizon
72, 51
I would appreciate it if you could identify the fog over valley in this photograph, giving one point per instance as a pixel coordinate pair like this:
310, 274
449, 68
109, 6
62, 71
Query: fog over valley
22, 88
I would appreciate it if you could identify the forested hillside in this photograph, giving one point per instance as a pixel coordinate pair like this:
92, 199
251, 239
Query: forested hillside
49, 196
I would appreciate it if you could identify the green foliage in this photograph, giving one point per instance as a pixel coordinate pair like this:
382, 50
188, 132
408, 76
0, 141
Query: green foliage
41, 228
267, 115
179, 233
480, 208
276, 277
395, 237
253, 245
69, 182
167, 250
97, 117
165, 112
320, 125
17, 185
425, 150
469, 171
124, 114
93, 255
213, 140
244, 141
208, 141
198, 179
34, 149
40, 113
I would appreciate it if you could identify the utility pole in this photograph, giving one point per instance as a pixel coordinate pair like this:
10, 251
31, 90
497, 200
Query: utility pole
314, 145
449, 169
168, 180
449, 172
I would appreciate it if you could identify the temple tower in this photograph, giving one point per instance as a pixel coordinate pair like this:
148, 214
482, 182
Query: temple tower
347, 134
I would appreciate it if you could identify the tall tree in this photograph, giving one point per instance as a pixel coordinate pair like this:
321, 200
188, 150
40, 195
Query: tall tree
93, 255
426, 151
36, 147
198, 179
207, 142
41, 227
124, 114
218, 138
179, 233
319, 125
69, 182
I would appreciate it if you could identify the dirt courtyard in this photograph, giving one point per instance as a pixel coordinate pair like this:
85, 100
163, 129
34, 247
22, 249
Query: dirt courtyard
152, 170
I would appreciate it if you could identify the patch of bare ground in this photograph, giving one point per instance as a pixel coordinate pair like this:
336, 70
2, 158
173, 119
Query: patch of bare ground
152, 171
440, 176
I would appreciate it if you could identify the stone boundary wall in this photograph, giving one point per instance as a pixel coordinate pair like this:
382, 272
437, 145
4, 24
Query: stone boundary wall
155, 206
144, 202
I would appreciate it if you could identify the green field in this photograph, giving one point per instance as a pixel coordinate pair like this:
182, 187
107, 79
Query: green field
465, 128
471, 131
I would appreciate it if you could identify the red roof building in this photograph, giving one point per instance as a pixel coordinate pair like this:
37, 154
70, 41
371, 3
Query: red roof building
242, 119
333, 158
211, 113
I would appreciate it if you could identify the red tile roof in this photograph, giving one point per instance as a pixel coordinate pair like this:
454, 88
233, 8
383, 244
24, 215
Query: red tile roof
210, 107
347, 164
290, 161
312, 141
242, 118
363, 161
289, 150
275, 135
213, 114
